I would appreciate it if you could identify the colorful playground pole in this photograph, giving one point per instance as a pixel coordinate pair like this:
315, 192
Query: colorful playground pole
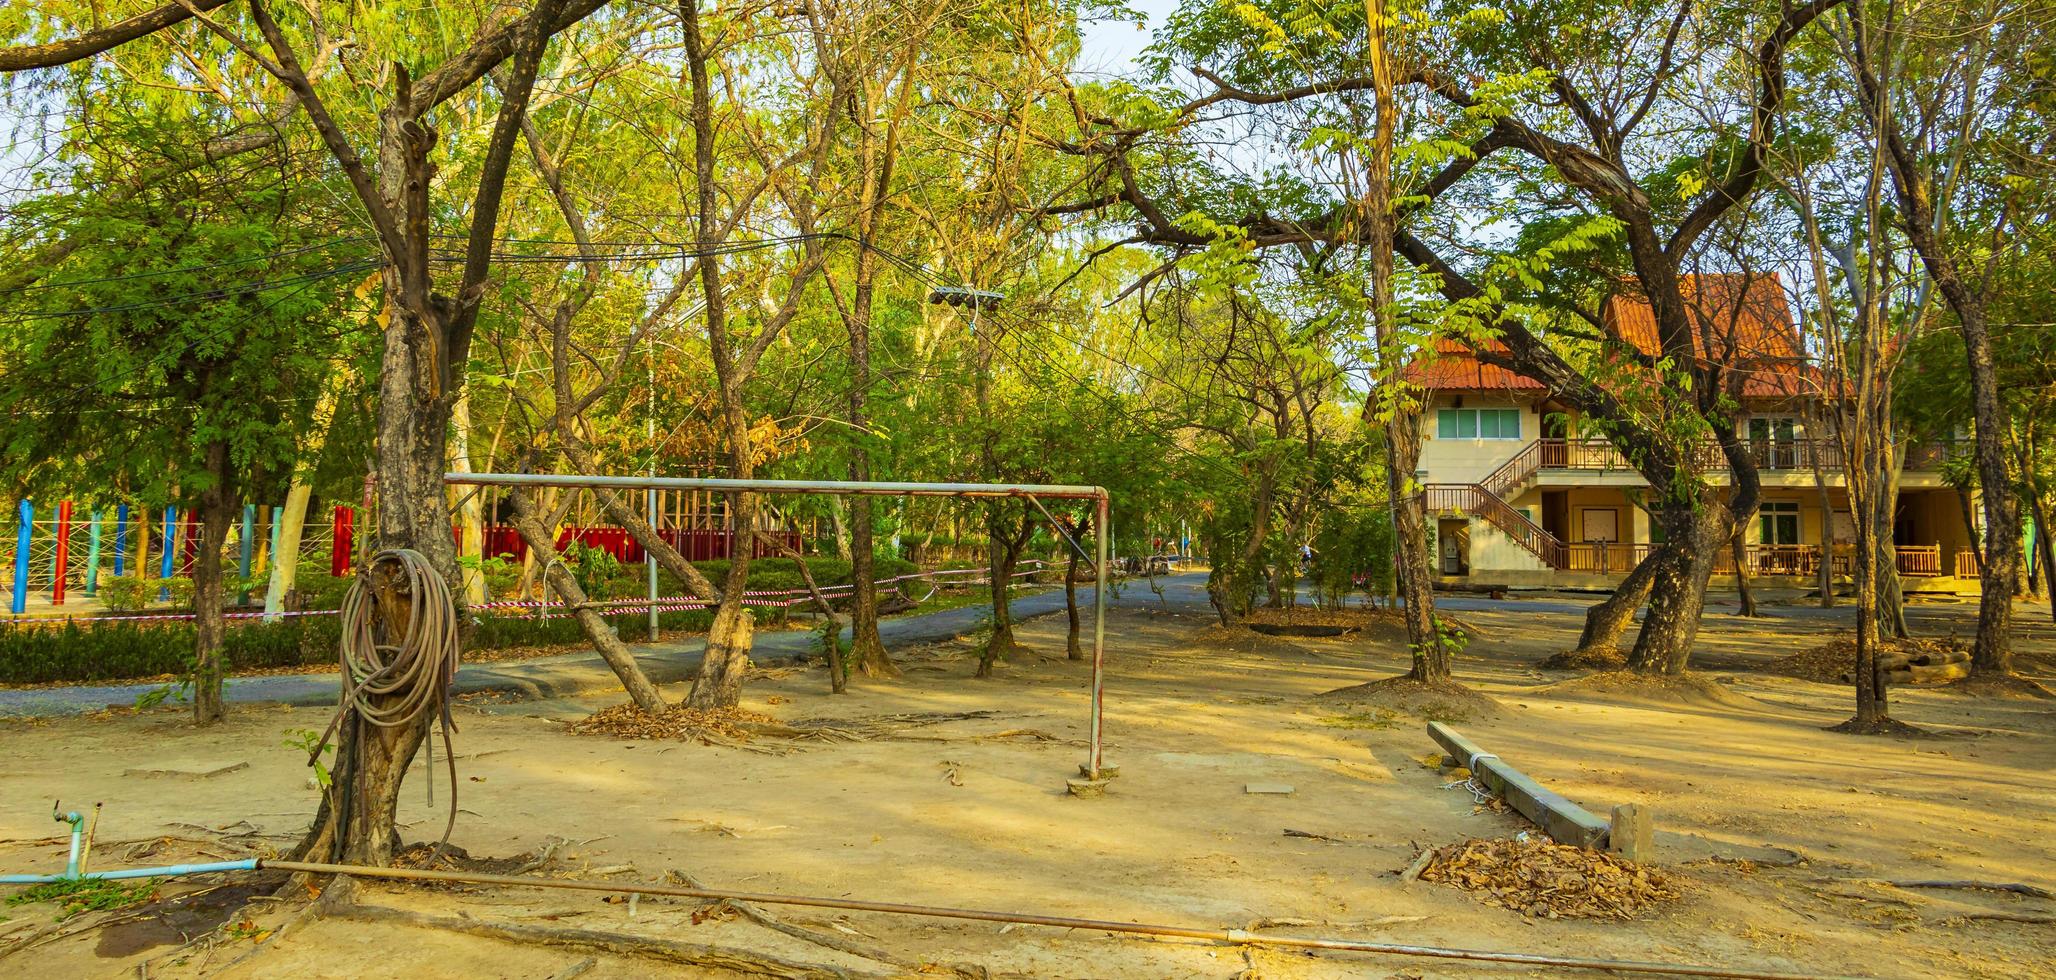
61, 556
339, 544
120, 539
93, 556
243, 550
167, 564
278, 517
25, 519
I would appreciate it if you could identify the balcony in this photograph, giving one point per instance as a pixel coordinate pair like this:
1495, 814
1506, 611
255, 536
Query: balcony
1914, 560
1769, 454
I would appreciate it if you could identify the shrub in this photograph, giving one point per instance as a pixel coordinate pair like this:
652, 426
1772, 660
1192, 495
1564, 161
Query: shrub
126, 593
315, 588
130, 593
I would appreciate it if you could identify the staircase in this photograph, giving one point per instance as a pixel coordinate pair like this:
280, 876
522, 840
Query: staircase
1486, 499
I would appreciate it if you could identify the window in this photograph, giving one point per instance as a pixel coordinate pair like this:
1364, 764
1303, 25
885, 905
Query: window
1478, 423
1772, 440
1780, 521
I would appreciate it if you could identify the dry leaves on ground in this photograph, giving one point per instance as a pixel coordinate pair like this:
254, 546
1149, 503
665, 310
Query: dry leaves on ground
1829, 661
1544, 879
722, 725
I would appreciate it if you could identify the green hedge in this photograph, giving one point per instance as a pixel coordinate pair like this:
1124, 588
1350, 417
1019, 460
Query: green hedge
82, 650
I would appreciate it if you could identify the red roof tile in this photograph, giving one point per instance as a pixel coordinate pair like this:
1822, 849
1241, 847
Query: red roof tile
1745, 318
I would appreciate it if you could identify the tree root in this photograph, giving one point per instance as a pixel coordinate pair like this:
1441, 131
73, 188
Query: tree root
670, 950
818, 938
2015, 887
1886, 726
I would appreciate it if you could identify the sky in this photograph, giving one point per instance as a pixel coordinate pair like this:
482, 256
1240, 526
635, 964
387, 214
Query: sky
1111, 48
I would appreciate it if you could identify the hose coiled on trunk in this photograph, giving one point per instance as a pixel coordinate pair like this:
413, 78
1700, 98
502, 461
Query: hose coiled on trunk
394, 684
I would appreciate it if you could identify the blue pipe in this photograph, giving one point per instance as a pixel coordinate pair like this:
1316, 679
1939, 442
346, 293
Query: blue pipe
169, 562
120, 539
24, 536
167, 871
78, 833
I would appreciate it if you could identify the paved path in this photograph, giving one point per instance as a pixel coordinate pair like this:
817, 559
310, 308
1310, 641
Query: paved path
579, 673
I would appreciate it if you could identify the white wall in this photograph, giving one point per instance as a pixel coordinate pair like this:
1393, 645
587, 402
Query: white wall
1470, 460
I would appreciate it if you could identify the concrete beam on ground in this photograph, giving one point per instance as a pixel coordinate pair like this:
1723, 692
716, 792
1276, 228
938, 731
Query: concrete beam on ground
1562, 820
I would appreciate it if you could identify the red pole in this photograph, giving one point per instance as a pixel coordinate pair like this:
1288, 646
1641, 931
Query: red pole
339, 545
60, 559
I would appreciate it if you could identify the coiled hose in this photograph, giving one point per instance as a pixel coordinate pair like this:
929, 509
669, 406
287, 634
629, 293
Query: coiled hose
392, 685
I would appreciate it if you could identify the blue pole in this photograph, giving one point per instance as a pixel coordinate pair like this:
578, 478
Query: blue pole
120, 539
25, 516
243, 551
168, 563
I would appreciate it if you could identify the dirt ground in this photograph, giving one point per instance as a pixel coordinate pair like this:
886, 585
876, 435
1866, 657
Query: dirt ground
1780, 838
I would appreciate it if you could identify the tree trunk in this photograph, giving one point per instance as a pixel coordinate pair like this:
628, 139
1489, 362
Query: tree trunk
1403, 428
1410, 548
285, 559
1678, 588
1872, 711
729, 637
1072, 648
1004, 552
2043, 546
867, 649
421, 370
217, 510
605, 641
1913, 185
472, 512
1606, 622
1741, 556
838, 524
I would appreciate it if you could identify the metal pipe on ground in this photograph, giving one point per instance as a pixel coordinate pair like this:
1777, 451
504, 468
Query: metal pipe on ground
167, 871
1231, 936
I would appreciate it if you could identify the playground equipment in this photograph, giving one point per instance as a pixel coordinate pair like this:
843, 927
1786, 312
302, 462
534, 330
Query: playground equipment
1033, 493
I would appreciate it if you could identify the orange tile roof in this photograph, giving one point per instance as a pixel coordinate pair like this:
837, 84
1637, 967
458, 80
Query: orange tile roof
1746, 319
1456, 368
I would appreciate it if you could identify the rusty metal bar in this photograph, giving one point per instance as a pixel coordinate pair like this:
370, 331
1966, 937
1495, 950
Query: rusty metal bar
1235, 936
844, 487
847, 487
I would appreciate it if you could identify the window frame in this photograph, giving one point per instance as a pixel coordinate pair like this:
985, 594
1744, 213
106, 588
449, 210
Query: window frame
1772, 512
1450, 423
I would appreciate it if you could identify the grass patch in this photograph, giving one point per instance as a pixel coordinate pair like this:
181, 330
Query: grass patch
75, 895
1376, 720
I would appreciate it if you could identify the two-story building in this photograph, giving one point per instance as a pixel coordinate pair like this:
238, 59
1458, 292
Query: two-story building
1522, 495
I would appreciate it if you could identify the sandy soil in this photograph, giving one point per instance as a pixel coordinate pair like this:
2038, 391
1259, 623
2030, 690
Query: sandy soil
1779, 835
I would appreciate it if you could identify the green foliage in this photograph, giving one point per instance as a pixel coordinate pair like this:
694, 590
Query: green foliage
1353, 541
75, 895
127, 593
309, 743
594, 568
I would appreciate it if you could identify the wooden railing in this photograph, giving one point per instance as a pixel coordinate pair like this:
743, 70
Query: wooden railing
1512, 475
1920, 559
1914, 560
1473, 498
1768, 454
1606, 557
1582, 454
1967, 564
